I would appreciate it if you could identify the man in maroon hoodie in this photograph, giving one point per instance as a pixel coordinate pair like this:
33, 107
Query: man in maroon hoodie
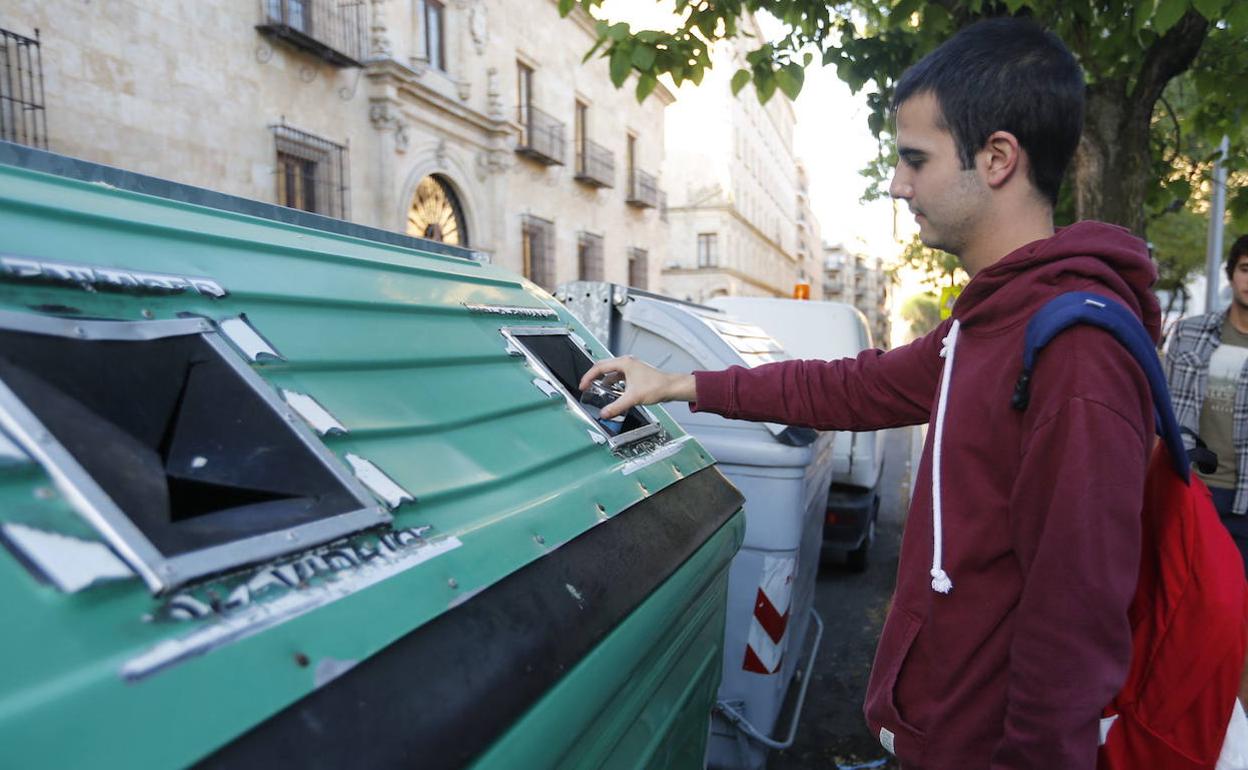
1008, 631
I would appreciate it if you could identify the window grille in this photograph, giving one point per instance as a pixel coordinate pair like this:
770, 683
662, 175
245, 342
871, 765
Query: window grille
538, 250
23, 118
638, 268
708, 249
589, 257
311, 173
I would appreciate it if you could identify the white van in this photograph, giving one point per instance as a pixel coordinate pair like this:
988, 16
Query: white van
828, 331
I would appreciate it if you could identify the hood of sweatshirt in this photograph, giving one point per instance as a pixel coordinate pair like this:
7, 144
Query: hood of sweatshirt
1095, 252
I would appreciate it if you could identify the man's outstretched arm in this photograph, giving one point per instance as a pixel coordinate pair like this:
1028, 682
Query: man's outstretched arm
875, 390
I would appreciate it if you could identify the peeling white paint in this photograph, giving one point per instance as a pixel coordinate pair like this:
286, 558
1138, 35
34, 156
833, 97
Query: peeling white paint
580, 600
311, 410
69, 563
261, 616
329, 669
247, 339
662, 453
546, 387
376, 479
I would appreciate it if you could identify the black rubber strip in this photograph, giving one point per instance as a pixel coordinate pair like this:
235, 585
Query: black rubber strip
445, 692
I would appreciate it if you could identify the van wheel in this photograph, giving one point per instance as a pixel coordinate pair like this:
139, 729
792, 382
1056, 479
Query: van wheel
858, 559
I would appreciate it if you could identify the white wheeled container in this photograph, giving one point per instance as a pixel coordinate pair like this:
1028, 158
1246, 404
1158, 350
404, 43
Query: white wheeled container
784, 473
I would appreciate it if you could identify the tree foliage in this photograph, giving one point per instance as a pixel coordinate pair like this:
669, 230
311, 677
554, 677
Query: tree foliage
1147, 145
922, 312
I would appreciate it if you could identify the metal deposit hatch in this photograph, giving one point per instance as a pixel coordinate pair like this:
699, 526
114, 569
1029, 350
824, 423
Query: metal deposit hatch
172, 448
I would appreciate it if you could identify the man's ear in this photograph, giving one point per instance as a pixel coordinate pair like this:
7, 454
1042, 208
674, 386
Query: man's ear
1001, 158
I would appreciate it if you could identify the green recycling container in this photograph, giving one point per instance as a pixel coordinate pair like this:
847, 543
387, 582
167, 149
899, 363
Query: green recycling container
277, 490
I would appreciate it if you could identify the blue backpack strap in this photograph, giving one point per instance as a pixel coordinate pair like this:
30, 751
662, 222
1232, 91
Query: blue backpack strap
1081, 307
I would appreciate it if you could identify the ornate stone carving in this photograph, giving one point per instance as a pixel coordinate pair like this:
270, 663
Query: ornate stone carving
493, 94
492, 162
379, 47
478, 26
383, 118
464, 89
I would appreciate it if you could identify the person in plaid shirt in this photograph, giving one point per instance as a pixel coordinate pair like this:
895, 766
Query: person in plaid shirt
1207, 367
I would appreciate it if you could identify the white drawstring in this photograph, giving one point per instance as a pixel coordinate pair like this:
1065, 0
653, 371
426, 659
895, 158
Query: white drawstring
940, 580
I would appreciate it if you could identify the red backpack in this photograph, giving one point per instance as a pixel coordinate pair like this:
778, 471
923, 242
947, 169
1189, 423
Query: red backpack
1189, 617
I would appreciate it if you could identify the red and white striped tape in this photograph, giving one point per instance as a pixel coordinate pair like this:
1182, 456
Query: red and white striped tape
764, 649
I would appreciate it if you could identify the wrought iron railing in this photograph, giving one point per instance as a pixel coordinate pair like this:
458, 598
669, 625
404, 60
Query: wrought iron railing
595, 165
541, 136
643, 190
331, 29
23, 118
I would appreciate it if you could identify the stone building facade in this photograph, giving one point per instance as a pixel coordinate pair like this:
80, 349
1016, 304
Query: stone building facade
734, 224
861, 281
469, 121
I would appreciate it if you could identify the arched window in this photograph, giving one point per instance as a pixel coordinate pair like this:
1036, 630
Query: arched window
436, 214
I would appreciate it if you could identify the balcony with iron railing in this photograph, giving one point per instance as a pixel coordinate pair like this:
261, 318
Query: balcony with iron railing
595, 165
333, 30
23, 118
643, 190
541, 136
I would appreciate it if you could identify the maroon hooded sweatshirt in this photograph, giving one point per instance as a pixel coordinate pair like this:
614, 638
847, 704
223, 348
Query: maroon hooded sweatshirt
1008, 630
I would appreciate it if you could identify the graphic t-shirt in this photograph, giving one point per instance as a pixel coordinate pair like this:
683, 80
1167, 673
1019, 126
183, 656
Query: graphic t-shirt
1218, 410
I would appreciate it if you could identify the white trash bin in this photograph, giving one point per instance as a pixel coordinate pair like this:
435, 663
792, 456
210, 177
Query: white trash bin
784, 473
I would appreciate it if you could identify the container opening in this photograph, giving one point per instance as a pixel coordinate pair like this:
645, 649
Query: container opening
186, 448
568, 363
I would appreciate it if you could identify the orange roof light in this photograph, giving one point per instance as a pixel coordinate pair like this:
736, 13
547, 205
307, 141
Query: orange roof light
801, 291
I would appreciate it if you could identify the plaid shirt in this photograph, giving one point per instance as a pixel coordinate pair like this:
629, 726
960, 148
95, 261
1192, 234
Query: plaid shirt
1187, 372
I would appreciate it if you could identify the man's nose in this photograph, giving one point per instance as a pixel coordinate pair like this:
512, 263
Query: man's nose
899, 189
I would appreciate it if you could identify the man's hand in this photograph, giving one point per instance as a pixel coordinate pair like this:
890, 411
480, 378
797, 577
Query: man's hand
643, 384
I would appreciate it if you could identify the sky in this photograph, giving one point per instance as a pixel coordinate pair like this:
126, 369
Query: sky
831, 138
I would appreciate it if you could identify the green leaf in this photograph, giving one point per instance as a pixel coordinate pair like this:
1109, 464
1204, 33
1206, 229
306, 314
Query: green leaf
765, 85
1168, 14
618, 31
1144, 10
645, 84
643, 57
566, 6
1237, 17
1210, 9
621, 64
790, 78
1013, 5
739, 79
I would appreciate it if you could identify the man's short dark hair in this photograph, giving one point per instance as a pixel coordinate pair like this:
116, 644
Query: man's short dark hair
1238, 249
1006, 74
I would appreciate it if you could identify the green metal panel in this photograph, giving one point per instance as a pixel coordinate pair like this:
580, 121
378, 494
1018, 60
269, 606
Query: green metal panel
381, 337
653, 693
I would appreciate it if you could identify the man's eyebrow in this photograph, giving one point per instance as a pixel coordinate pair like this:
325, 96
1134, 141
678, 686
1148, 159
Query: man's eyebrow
910, 153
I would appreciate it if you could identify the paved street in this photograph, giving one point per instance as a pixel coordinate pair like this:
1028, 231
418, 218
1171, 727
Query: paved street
852, 605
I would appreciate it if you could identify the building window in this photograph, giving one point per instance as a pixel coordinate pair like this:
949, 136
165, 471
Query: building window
436, 213
22, 116
537, 248
589, 258
638, 268
632, 159
311, 172
524, 99
708, 249
579, 131
435, 28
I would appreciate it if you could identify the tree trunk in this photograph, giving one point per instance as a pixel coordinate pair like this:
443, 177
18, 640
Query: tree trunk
1112, 166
